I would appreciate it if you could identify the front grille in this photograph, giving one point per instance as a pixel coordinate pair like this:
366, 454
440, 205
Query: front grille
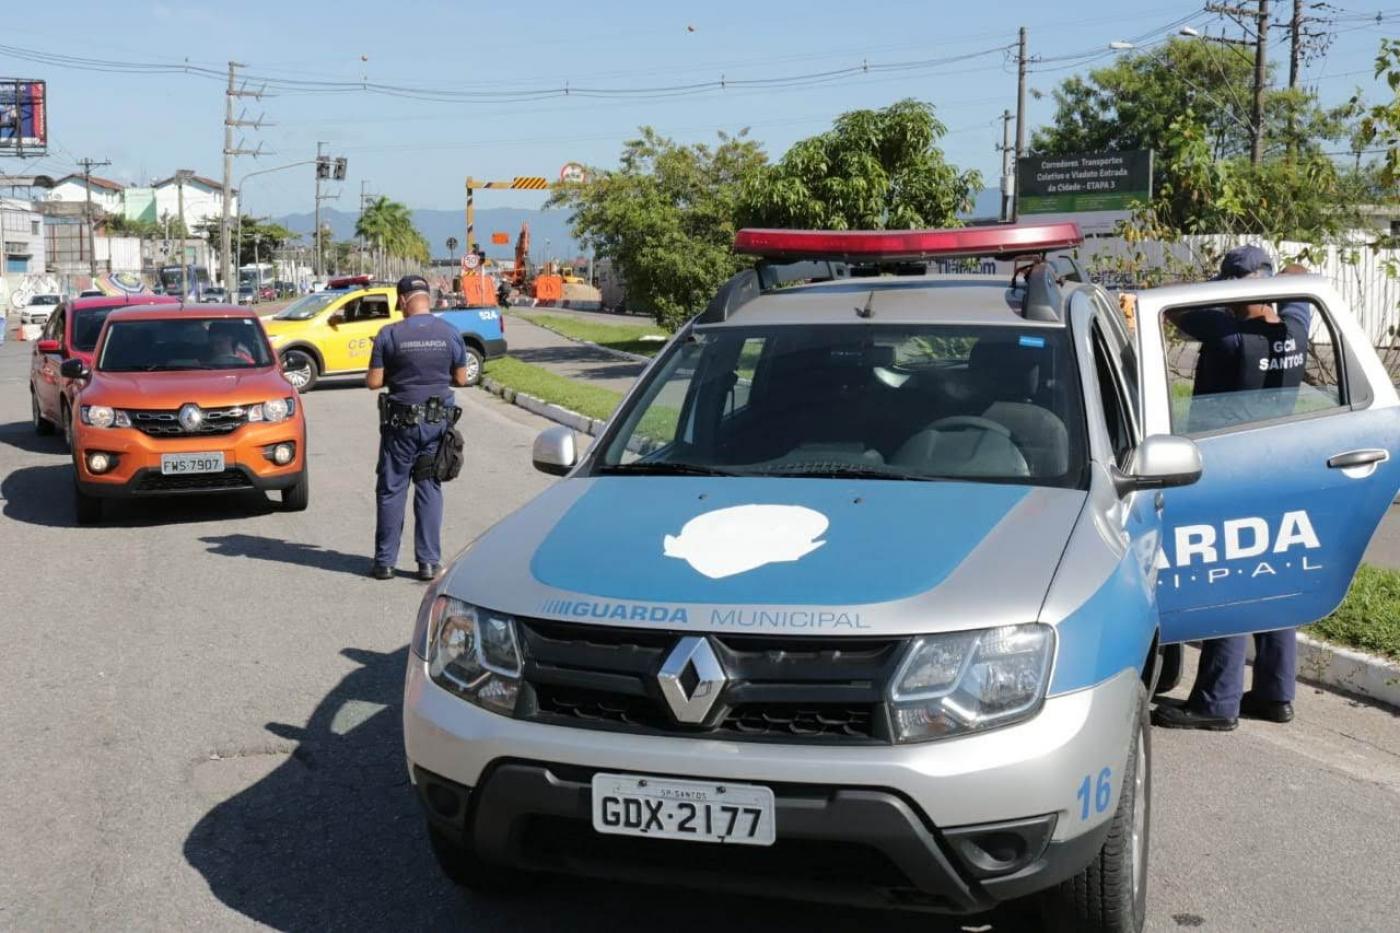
779, 688
195, 482
166, 423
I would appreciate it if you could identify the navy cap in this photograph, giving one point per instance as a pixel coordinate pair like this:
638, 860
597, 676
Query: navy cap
410, 284
1244, 261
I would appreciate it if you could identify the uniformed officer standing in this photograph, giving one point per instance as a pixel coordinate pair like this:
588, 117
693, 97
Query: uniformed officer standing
419, 359
1250, 364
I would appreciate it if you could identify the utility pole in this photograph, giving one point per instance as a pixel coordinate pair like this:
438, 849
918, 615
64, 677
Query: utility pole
1260, 15
1008, 178
88, 165
1261, 65
364, 199
226, 264
182, 176
1295, 44
319, 157
1020, 112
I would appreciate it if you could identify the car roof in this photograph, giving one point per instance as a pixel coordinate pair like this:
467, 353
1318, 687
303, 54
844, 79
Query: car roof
119, 301
939, 298
179, 311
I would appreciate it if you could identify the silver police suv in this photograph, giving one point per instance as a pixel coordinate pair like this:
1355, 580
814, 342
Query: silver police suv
862, 593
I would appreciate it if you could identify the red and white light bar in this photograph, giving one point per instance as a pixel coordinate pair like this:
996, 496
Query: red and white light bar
908, 245
350, 281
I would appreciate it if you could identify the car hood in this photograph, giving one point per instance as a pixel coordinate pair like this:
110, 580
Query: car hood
276, 328
766, 554
209, 389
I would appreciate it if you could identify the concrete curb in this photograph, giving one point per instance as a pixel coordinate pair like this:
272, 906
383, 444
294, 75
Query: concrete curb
621, 354
1346, 670
557, 413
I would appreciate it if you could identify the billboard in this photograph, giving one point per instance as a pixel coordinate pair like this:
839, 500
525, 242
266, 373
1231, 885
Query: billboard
1083, 182
24, 117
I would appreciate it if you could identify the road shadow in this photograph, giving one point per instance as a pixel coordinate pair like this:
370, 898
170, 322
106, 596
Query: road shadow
279, 551
43, 495
20, 435
332, 838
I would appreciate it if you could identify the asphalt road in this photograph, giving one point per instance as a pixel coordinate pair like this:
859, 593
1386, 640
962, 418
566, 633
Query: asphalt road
199, 704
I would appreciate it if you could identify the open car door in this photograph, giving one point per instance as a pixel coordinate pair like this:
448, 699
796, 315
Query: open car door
1295, 479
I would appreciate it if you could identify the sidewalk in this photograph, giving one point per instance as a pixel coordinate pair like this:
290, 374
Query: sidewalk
1385, 546
568, 358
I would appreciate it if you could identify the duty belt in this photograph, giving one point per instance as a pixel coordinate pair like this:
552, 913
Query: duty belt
400, 415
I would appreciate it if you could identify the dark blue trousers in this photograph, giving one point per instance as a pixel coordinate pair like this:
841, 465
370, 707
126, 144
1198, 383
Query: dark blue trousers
398, 449
1220, 679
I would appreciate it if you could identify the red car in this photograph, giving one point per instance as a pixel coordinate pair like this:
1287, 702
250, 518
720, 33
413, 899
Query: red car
71, 334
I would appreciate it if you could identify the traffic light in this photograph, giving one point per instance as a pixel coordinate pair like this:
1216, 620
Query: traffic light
323, 168
339, 169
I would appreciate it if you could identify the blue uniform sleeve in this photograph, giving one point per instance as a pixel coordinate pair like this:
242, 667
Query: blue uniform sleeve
459, 353
1208, 324
1300, 311
381, 346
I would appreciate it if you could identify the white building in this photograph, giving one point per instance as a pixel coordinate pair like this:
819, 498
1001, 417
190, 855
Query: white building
22, 235
106, 194
204, 200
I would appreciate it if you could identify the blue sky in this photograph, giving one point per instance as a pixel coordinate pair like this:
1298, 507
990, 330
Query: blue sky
419, 152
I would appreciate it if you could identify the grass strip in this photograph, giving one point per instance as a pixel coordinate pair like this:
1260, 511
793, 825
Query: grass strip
624, 337
1369, 617
593, 401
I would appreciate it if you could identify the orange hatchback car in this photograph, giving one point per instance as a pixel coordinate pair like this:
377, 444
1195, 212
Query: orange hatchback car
184, 399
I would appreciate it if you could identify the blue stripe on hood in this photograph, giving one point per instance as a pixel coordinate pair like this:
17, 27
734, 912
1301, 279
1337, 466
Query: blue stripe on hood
885, 540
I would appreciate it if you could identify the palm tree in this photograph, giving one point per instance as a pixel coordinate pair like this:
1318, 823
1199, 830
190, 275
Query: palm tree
389, 225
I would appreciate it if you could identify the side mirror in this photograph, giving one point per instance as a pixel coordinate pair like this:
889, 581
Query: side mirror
336, 319
49, 346
74, 369
1160, 462
555, 452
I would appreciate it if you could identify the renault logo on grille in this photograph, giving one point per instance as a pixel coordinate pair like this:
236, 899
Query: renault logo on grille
691, 679
191, 417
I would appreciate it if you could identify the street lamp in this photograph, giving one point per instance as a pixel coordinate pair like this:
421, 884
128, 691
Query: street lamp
243, 204
1119, 45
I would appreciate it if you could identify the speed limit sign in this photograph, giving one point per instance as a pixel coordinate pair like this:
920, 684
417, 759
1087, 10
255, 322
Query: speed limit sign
470, 261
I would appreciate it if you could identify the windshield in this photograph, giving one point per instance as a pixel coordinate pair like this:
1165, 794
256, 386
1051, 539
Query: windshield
184, 344
44, 300
994, 404
87, 324
306, 308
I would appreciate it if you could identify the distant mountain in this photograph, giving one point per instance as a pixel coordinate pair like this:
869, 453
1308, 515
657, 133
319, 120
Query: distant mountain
437, 226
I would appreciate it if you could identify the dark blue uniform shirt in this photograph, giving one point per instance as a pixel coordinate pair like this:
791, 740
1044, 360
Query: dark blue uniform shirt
418, 355
1266, 361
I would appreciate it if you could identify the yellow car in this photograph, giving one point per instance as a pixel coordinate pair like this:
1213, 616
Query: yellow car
331, 333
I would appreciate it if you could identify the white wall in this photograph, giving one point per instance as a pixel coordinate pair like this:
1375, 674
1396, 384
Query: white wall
201, 204
17, 226
73, 190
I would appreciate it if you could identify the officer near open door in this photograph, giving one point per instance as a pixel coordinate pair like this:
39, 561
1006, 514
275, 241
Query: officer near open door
418, 360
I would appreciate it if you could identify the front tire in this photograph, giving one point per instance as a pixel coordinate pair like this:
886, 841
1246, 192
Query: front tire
296, 498
42, 425
1170, 675
464, 869
66, 416
88, 508
300, 369
1110, 894
473, 366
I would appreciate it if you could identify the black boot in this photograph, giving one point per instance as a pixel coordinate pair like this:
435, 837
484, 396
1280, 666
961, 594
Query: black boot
1184, 717
428, 572
1269, 710
382, 572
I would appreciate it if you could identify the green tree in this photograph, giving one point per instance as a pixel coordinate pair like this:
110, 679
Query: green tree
1188, 101
1380, 124
873, 170
388, 225
666, 217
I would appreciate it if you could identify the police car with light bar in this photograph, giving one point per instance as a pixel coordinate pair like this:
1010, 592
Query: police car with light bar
863, 592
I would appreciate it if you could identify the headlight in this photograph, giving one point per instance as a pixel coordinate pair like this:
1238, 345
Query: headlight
100, 416
279, 409
474, 653
963, 682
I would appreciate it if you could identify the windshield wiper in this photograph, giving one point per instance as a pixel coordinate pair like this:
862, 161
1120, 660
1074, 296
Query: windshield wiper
843, 471
664, 468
